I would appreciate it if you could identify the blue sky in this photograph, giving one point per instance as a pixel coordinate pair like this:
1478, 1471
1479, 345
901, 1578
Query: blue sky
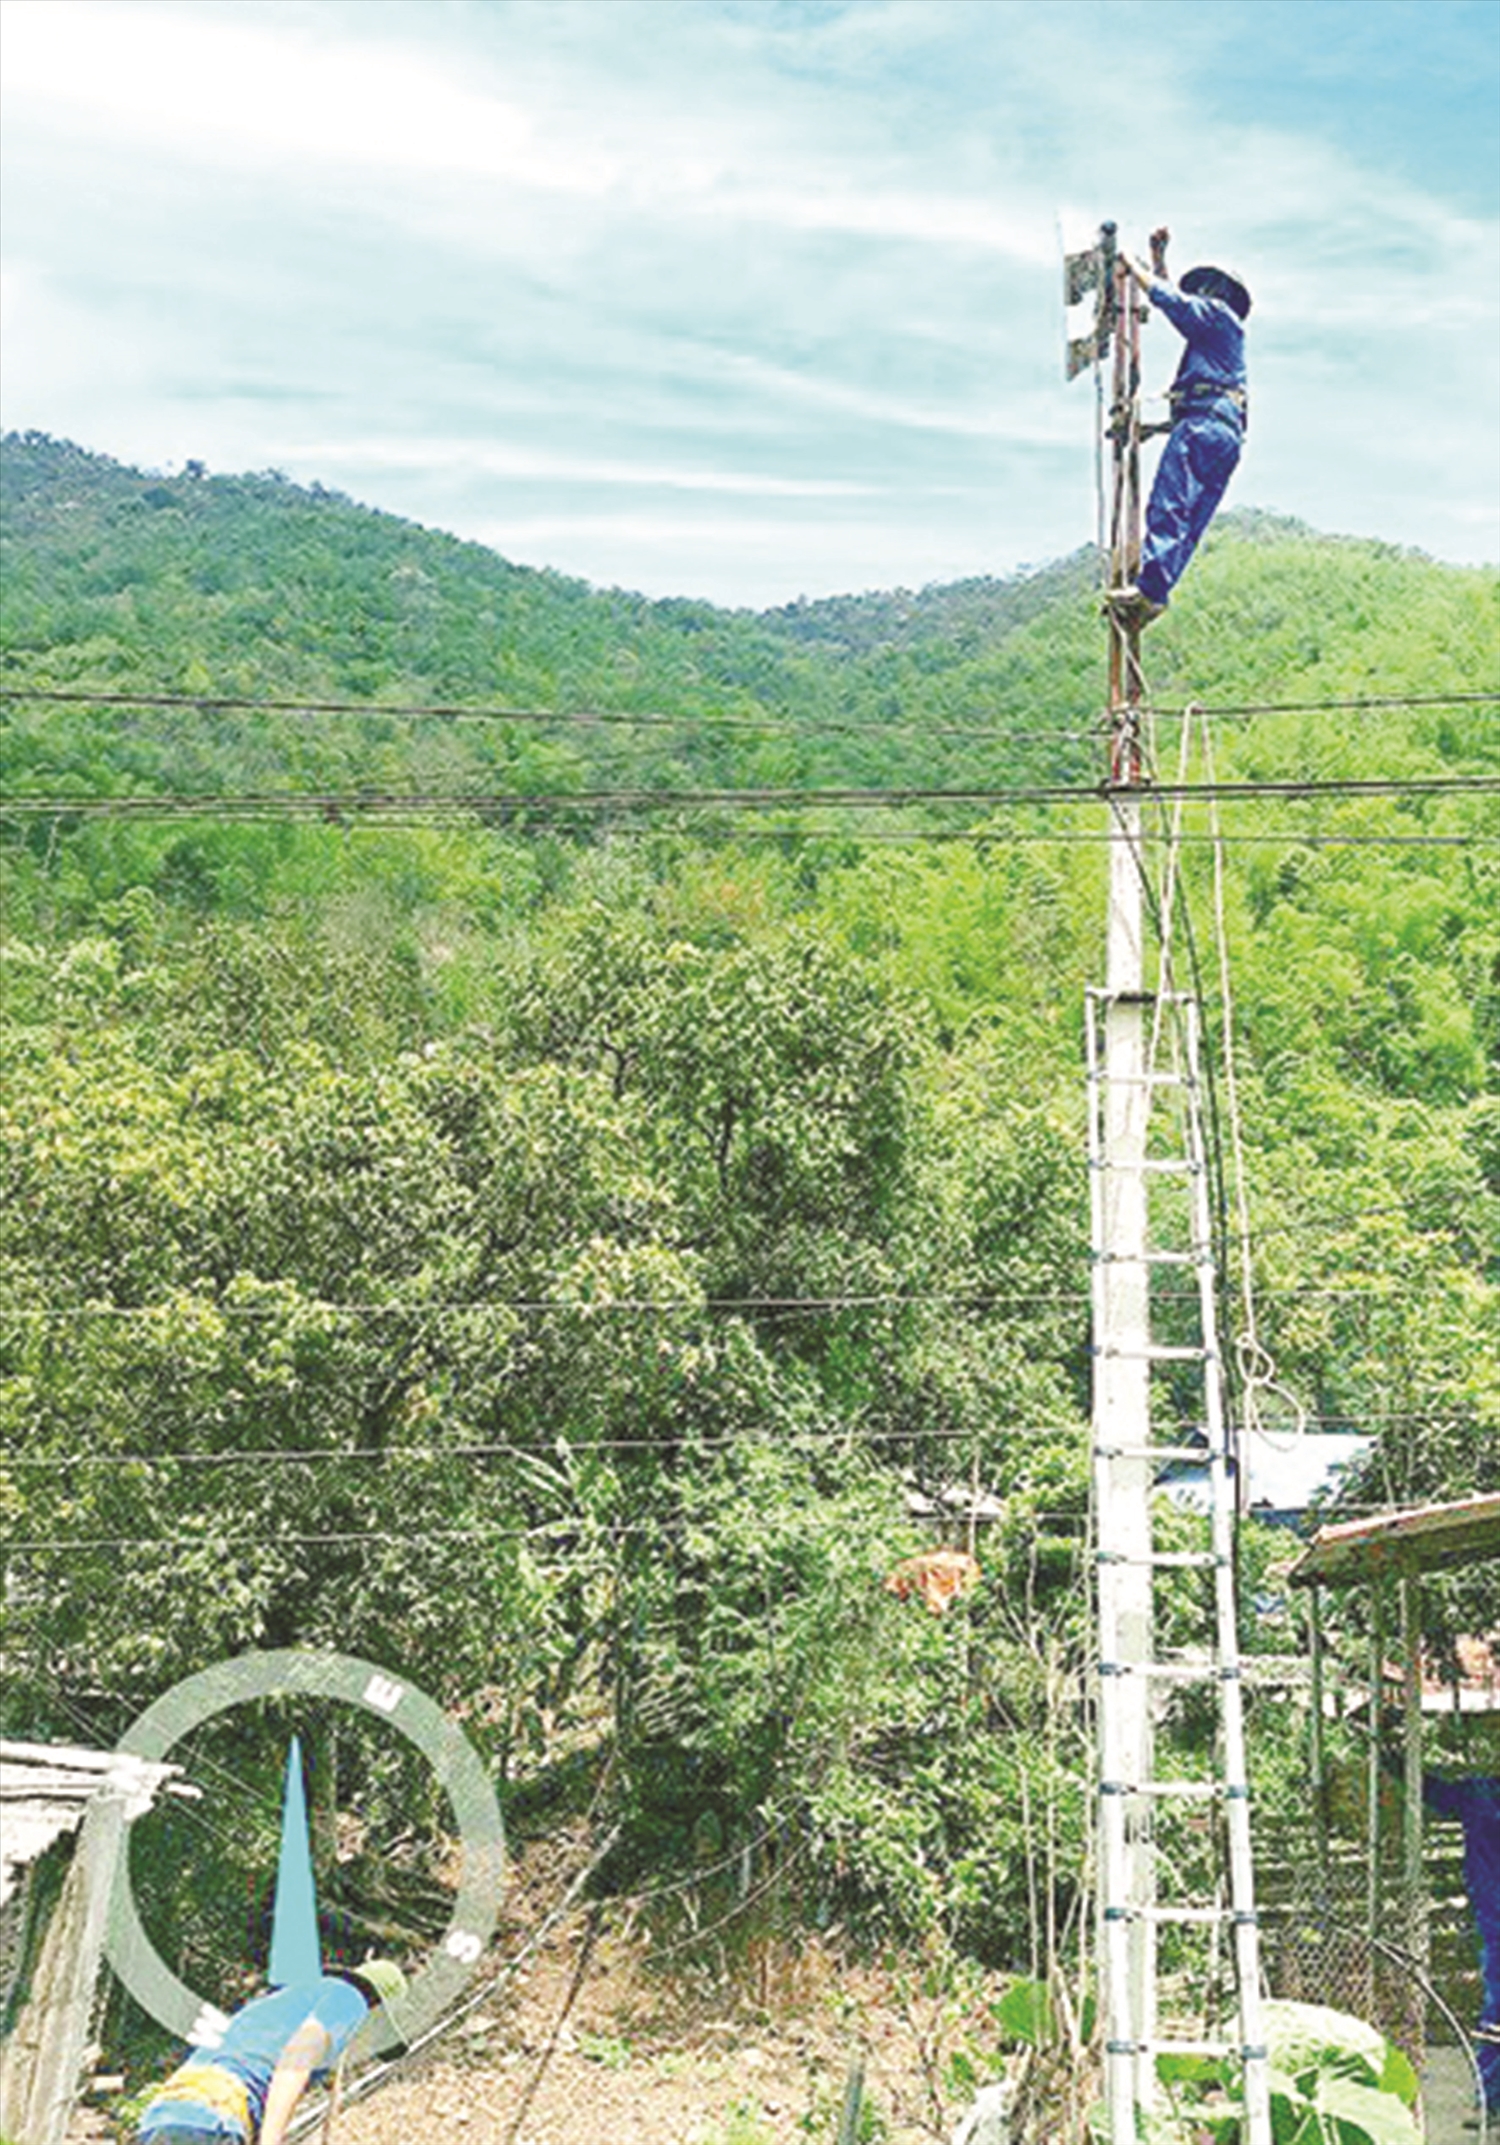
748, 299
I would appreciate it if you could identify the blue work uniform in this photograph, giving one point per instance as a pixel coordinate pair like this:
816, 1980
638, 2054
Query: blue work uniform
219, 2093
1476, 1805
1208, 430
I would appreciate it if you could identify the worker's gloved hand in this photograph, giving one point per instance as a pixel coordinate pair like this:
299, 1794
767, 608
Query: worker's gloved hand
1159, 239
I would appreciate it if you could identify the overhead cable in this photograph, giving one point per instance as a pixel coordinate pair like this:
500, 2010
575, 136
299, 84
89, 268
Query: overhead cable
697, 721
831, 1439
431, 1537
458, 711
1333, 707
323, 1307
334, 805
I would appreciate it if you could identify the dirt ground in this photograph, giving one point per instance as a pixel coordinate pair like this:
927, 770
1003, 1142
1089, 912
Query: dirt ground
597, 2042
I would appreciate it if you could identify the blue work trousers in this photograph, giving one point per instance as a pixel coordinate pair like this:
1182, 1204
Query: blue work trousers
1196, 464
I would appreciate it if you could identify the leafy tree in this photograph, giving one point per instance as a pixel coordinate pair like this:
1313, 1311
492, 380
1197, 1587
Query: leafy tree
551, 1253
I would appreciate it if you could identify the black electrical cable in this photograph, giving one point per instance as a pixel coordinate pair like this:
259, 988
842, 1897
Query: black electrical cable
865, 837
335, 804
726, 1442
458, 711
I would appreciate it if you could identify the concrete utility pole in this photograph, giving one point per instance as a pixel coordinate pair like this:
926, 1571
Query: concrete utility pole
1133, 1234
1122, 1323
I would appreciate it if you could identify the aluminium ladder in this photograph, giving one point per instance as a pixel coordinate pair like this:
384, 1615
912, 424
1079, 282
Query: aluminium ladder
1163, 1919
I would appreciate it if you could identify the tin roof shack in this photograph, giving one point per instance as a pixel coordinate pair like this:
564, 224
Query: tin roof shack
1284, 1474
63, 1814
1388, 1556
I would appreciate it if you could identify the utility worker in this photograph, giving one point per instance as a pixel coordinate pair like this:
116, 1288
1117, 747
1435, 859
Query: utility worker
245, 2089
1208, 308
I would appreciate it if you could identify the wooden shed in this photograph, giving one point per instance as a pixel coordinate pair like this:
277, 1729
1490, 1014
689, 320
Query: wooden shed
63, 1814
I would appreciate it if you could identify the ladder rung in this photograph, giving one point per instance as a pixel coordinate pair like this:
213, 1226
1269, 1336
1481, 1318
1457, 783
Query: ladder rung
1175, 1671
1199, 1455
1186, 1916
1101, 996
1150, 1079
1152, 1164
1167, 1559
1183, 1790
1159, 1352
1173, 2048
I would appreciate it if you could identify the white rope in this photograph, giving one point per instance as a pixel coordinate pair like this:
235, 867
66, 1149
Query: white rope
1257, 1366
1168, 902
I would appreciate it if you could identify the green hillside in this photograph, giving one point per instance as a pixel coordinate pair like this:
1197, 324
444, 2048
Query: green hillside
253, 588
546, 1248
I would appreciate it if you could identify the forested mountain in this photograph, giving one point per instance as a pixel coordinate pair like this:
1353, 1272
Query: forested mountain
545, 1248
253, 588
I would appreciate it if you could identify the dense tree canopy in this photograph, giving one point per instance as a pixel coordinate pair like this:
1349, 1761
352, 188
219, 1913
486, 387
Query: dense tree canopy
549, 1254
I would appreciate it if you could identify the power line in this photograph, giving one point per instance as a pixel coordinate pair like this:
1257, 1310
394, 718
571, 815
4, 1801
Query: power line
696, 721
578, 1307
604, 1530
809, 1441
459, 811
873, 837
869, 837
633, 1306
335, 805
458, 711
427, 1538
754, 726
1334, 707
832, 1440
976, 1299
454, 712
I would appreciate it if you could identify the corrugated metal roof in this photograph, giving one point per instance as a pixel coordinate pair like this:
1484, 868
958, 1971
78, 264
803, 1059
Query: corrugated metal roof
1424, 1538
1284, 1474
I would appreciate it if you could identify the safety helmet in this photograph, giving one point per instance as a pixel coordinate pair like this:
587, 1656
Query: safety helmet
380, 1978
1217, 283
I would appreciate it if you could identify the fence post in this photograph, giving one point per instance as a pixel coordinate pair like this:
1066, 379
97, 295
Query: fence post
45, 2053
854, 2100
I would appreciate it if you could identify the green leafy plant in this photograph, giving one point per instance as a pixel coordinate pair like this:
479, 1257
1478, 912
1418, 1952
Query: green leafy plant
744, 2125
609, 2050
1334, 2081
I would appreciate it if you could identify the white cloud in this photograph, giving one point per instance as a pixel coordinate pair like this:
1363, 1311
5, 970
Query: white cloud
215, 90
515, 262
207, 89
923, 219
465, 456
743, 560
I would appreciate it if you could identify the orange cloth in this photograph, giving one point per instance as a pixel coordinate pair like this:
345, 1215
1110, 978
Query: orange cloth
938, 1575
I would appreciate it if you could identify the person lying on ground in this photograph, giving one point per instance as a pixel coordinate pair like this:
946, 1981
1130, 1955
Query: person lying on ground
245, 2087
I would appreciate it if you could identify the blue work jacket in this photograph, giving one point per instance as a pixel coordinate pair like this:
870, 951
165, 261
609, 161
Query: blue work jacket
1212, 372
245, 2058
